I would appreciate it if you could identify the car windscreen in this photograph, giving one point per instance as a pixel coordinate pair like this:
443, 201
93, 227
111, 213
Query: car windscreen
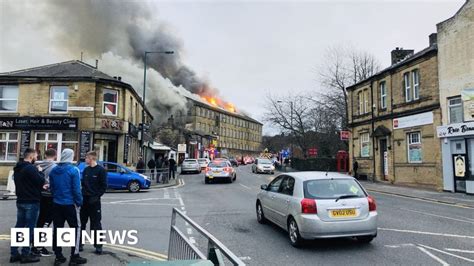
332, 189
190, 161
264, 162
202, 160
218, 164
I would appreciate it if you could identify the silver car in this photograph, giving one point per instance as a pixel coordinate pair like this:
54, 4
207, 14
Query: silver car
263, 165
312, 205
203, 162
190, 165
219, 170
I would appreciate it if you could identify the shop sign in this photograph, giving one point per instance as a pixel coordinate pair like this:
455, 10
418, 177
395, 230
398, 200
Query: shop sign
81, 108
345, 135
453, 130
413, 120
181, 147
25, 141
38, 123
132, 130
112, 124
459, 161
85, 142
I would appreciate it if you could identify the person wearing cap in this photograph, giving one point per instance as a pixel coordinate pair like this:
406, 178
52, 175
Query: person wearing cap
65, 185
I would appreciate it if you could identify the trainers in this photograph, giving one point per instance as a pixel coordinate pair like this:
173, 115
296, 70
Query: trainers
59, 260
76, 259
15, 258
45, 253
30, 258
98, 250
35, 252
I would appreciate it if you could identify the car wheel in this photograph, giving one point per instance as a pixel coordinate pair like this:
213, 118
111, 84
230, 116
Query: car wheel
230, 180
294, 234
235, 177
260, 216
133, 186
365, 239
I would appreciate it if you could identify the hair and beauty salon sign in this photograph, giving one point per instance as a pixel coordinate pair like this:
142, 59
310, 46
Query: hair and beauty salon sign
454, 130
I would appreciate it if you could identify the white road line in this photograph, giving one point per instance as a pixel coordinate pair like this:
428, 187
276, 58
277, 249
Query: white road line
460, 250
419, 199
447, 253
192, 240
440, 216
444, 263
143, 204
166, 194
245, 258
425, 233
245, 186
189, 231
182, 208
400, 245
135, 200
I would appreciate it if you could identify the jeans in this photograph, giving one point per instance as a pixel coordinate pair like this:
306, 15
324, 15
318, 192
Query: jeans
26, 217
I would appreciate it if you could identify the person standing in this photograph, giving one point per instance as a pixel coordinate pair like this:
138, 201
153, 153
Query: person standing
152, 165
65, 185
94, 184
46, 204
355, 167
29, 182
159, 171
172, 166
140, 166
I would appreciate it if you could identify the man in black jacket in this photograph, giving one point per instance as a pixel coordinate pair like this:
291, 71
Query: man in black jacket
152, 165
94, 184
29, 182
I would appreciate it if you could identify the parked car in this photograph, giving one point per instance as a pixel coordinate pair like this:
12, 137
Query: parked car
234, 162
263, 165
190, 165
312, 205
219, 170
120, 177
203, 162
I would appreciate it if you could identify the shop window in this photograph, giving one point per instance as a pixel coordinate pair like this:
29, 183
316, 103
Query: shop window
455, 110
59, 99
414, 147
110, 103
8, 98
364, 145
8, 146
57, 141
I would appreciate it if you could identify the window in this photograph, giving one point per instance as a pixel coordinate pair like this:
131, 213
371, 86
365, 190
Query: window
8, 146
406, 80
455, 110
383, 96
364, 145
110, 103
58, 101
8, 98
274, 186
287, 186
366, 101
414, 147
57, 141
416, 84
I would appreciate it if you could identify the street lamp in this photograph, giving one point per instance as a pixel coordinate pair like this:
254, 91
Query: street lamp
144, 94
291, 123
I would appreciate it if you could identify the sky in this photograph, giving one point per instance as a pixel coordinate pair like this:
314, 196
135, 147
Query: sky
248, 49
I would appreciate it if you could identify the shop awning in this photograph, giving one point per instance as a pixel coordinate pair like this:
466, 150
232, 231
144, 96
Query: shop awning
159, 147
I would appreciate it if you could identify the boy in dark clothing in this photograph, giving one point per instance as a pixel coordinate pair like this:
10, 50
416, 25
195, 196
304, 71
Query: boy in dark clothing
65, 183
29, 182
94, 184
172, 165
152, 165
140, 166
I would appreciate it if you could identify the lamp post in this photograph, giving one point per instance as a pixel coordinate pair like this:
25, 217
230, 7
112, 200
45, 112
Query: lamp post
144, 96
291, 123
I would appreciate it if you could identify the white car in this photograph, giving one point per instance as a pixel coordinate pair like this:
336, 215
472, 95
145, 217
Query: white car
190, 165
312, 205
263, 165
203, 162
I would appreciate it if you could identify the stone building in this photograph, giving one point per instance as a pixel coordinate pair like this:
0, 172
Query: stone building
393, 117
456, 84
68, 105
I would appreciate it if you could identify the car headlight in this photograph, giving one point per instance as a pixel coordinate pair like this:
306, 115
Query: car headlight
144, 176
272, 167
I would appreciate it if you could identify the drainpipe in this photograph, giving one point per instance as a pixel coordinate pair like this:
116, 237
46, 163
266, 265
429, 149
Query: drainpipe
373, 127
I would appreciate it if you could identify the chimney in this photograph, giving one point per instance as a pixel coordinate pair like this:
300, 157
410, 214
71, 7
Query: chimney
433, 39
399, 54
96, 63
119, 78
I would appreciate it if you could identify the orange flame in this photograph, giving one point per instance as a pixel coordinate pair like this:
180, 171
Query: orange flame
219, 103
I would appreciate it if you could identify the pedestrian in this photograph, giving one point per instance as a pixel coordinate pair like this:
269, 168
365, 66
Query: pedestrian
355, 167
65, 185
140, 165
172, 166
159, 163
152, 165
46, 204
29, 182
94, 184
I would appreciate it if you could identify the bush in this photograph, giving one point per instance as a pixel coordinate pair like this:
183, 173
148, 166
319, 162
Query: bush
314, 164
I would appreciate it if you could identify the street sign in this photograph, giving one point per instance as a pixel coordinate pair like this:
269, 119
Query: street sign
312, 152
181, 147
345, 134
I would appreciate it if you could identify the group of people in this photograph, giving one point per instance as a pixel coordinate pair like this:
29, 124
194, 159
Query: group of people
161, 166
49, 192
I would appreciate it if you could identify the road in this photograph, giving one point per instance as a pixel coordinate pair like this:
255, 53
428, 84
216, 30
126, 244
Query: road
411, 232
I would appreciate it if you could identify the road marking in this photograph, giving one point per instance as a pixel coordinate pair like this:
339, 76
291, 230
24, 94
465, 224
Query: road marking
135, 200
192, 240
440, 216
139, 252
400, 245
166, 194
190, 231
245, 258
444, 263
144, 204
419, 199
460, 250
424, 233
447, 253
245, 186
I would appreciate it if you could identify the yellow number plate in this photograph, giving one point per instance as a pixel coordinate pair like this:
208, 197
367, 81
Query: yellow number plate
343, 213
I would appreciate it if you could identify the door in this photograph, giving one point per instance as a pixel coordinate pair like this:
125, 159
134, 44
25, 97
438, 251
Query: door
268, 199
283, 199
113, 176
462, 166
383, 156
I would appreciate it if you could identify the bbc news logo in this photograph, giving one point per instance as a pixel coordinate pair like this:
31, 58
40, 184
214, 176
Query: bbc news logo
66, 237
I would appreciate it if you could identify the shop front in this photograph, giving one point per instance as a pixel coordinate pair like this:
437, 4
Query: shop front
457, 141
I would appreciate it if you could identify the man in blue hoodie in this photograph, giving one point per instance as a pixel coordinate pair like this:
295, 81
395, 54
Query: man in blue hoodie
65, 184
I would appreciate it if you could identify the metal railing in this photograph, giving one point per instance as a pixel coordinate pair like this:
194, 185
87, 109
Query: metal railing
161, 173
181, 248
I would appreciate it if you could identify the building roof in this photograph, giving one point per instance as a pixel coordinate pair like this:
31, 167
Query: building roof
69, 70
418, 55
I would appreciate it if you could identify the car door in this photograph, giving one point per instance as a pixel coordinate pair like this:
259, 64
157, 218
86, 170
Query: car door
268, 199
113, 175
283, 198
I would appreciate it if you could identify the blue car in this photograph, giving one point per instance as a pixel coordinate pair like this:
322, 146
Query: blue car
120, 177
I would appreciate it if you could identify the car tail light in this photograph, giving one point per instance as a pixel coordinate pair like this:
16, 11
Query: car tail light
308, 206
227, 169
208, 169
372, 205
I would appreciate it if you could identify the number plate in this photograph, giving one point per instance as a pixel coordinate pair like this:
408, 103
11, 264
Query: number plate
211, 177
343, 213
